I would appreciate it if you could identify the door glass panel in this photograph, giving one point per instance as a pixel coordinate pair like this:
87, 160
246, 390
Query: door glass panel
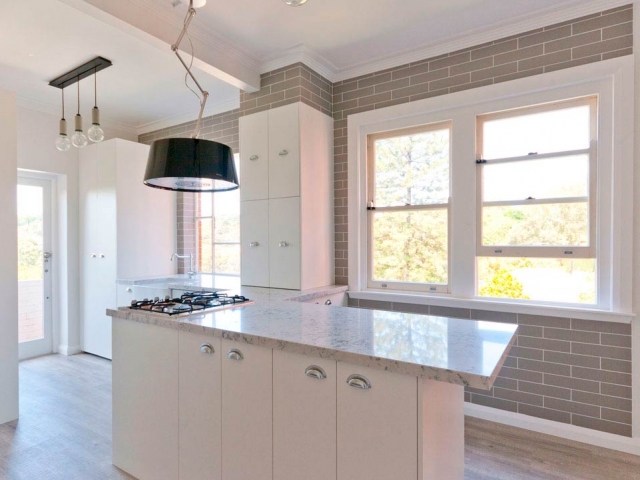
30, 263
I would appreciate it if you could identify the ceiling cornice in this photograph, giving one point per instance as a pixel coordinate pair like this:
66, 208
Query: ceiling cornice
514, 26
192, 114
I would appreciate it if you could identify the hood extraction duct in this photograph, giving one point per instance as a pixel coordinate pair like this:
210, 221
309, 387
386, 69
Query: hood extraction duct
191, 164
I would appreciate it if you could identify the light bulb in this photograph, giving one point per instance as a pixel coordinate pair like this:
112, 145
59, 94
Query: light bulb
79, 139
95, 133
63, 143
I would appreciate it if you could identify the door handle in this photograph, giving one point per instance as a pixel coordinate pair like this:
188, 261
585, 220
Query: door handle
235, 354
315, 371
359, 381
283, 153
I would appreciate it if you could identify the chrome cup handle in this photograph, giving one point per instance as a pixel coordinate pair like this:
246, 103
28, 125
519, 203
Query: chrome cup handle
359, 381
316, 372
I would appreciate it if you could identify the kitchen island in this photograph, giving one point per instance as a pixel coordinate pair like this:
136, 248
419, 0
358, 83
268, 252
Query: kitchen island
284, 390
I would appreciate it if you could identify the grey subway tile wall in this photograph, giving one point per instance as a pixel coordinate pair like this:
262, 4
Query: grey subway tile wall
565, 370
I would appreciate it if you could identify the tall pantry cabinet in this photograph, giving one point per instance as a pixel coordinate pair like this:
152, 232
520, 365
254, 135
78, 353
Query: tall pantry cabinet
126, 230
286, 168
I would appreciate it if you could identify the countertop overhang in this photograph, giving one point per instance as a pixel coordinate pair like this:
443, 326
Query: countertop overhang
458, 351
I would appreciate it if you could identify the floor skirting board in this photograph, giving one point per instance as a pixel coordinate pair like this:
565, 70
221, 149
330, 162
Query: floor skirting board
570, 432
69, 350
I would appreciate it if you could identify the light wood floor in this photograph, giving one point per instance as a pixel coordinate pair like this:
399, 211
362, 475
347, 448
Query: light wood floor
64, 433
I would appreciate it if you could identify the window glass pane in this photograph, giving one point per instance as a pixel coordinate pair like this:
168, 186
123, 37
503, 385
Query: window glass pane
227, 259
204, 205
227, 216
544, 132
412, 169
560, 224
410, 246
549, 178
542, 279
204, 231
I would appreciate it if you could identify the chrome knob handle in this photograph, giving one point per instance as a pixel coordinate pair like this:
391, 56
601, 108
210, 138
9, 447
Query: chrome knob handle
283, 153
316, 372
359, 381
129, 290
206, 348
235, 354
93, 255
328, 302
253, 158
283, 244
102, 255
254, 244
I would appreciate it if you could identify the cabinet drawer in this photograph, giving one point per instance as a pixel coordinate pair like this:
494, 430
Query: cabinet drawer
284, 243
284, 152
200, 407
304, 417
247, 411
377, 427
254, 228
254, 156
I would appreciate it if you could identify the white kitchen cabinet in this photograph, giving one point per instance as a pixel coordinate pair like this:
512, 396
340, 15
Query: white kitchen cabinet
145, 400
284, 243
254, 224
200, 407
254, 156
126, 230
304, 417
377, 426
247, 405
284, 150
299, 142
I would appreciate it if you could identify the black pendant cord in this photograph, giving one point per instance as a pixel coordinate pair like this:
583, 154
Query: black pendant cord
62, 103
78, 96
95, 88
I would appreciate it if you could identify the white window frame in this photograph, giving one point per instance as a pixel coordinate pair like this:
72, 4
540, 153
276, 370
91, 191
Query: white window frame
410, 286
612, 81
566, 251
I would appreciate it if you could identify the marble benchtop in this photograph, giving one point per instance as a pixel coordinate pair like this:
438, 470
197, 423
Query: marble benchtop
464, 352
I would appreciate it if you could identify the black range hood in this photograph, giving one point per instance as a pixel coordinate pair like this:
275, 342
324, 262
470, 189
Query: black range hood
191, 165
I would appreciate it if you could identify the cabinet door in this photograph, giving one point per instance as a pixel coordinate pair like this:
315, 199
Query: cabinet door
284, 243
247, 413
284, 152
145, 400
377, 427
254, 233
254, 156
304, 417
200, 407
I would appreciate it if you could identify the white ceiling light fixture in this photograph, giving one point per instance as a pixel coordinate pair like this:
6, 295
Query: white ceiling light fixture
295, 3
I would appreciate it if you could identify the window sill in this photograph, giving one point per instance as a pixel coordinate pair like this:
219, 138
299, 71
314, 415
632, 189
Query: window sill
494, 305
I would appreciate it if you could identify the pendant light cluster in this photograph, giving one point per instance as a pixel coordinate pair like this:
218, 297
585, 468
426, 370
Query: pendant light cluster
95, 133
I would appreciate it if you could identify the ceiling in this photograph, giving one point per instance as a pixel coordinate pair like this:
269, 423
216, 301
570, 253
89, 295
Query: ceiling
351, 32
144, 89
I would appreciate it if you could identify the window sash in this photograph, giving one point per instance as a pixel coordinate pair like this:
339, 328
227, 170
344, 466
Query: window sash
551, 251
213, 236
371, 202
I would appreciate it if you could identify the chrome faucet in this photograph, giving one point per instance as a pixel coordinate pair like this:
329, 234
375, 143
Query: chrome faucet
191, 273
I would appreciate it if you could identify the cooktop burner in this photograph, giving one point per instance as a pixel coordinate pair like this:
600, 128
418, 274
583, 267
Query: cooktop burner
189, 302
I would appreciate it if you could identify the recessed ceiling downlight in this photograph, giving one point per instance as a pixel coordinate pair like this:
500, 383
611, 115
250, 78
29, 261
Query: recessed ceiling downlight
295, 3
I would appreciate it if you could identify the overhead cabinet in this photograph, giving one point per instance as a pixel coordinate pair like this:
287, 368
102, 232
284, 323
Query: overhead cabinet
286, 164
126, 230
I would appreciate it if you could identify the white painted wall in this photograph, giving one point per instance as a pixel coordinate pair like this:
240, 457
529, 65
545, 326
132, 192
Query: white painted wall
8, 259
37, 153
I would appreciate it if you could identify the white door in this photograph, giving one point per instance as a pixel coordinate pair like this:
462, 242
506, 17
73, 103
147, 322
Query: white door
35, 267
254, 156
377, 424
284, 243
254, 221
246, 411
304, 417
284, 152
200, 407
